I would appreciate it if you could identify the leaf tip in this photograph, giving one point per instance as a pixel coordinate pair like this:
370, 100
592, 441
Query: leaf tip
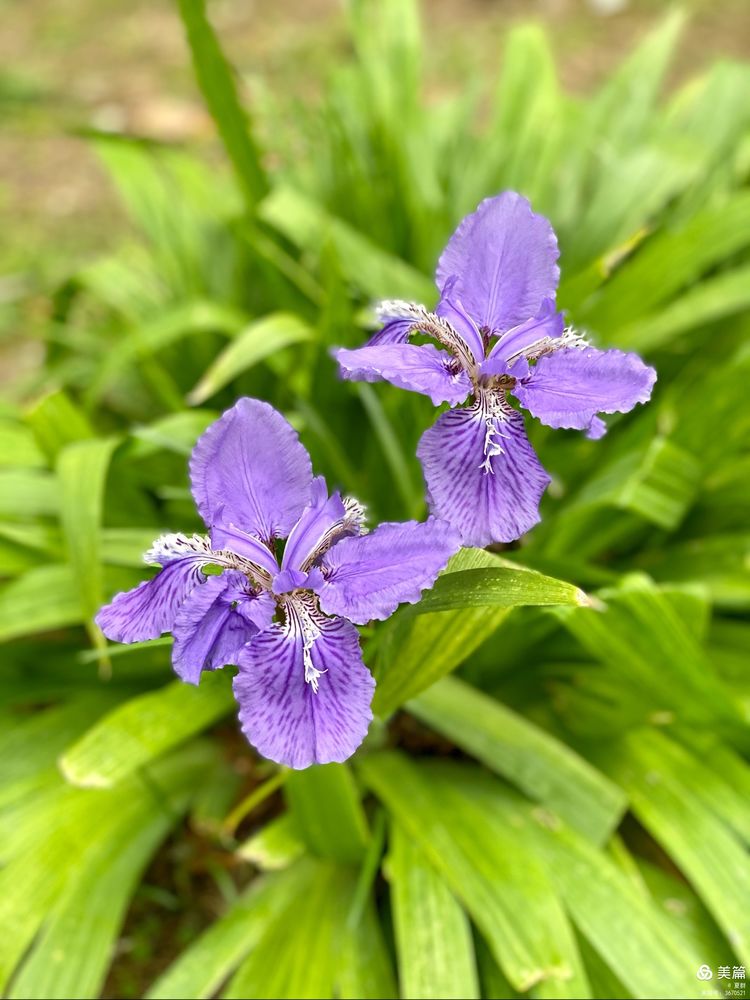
197, 395
80, 779
585, 600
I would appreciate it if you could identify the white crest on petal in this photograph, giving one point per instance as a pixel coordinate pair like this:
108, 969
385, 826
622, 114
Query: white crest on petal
493, 407
390, 309
423, 321
569, 340
166, 548
354, 518
352, 523
302, 610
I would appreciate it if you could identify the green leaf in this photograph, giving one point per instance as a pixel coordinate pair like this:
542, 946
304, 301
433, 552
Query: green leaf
495, 985
717, 564
82, 472
658, 483
686, 914
504, 585
44, 598
671, 803
18, 446
364, 969
617, 919
217, 84
261, 339
398, 464
147, 338
604, 983
547, 770
377, 273
77, 943
276, 845
283, 964
526, 121
144, 728
388, 42
327, 811
55, 421
31, 743
37, 536
177, 433
423, 643
627, 931
644, 643
492, 871
49, 878
642, 283
624, 105
722, 296
26, 493
433, 936
14, 561
202, 968
125, 546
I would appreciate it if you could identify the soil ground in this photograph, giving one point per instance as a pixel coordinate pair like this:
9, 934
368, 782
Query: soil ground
123, 64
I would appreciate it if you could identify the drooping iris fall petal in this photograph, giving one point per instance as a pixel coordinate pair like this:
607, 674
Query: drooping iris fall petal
482, 475
288, 718
218, 618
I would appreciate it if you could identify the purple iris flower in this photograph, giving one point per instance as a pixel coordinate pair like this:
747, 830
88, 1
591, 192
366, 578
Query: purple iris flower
499, 332
286, 620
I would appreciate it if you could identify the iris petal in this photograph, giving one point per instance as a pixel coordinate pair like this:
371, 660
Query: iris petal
218, 618
420, 368
368, 577
482, 474
150, 608
282, 714
452, 311
313, 525
503, 259
547, 325
568, 388
251, 469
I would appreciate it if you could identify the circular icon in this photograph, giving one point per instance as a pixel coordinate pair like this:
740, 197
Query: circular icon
704, 973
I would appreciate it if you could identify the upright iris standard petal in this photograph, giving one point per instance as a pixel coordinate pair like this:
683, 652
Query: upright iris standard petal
568, 388
150, 608
420, 368
215, 622
251, 467
282, 714
288, 580
451, 309
482, 474
545, 327
234, 539
313, 526
503, 258
367, 577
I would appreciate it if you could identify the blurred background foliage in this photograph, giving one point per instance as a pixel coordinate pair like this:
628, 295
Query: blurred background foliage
567, 814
